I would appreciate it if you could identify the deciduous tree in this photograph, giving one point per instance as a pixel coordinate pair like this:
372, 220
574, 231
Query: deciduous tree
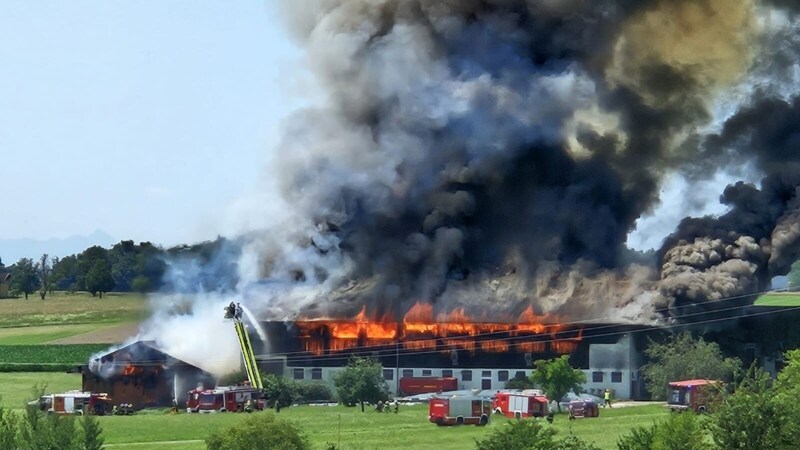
99, 279
23, 277
44, 269
557, 377
361, 381
683, 357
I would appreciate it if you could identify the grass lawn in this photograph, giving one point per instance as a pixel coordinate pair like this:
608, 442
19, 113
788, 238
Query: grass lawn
779, 299
356, 430
62, 308
43, 334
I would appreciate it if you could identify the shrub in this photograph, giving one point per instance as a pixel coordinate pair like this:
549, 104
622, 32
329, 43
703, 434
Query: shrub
261, 430
520, 382
678, 432
8, 428
308, 392
522, 434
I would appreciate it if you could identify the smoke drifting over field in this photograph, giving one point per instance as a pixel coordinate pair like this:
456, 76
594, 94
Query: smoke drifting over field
496, 154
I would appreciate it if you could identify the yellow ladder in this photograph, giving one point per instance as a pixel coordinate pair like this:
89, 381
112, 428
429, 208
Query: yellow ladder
249, 357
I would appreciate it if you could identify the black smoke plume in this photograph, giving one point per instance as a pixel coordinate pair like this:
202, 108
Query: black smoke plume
495, 155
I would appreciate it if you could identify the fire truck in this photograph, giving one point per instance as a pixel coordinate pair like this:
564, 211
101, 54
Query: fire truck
457, 410
224, 398
521, 404
74, 402
698, 395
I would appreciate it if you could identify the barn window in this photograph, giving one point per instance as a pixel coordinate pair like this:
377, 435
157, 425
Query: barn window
597, 377
519, 374
388, 374
447, 373
316, 373
486, 374
426, 372
502, 375
299, 374
408, 373
616, 377
466, 375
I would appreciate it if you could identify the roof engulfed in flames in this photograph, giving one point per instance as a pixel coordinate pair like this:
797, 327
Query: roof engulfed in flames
422, 329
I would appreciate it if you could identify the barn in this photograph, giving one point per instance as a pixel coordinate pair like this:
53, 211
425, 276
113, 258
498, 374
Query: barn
143, 375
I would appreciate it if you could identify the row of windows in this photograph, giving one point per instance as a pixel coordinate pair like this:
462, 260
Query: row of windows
466, 375
598, 377
388, 374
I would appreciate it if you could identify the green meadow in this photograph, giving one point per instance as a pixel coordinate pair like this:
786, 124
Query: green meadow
30, 329
323, 424
786, 299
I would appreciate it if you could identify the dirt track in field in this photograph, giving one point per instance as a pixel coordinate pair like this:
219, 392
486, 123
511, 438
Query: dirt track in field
111, 335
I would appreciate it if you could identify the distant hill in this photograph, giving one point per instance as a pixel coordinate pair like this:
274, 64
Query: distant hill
11, 250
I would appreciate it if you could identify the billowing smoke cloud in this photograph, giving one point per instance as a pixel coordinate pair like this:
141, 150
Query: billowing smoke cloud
496, 154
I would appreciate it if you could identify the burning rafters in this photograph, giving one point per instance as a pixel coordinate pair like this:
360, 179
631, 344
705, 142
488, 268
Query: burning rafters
422, 329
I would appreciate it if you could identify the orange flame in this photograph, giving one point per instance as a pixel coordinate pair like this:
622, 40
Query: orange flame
422, 329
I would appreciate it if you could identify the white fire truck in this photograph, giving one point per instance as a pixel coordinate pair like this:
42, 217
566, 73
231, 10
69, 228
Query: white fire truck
73, 402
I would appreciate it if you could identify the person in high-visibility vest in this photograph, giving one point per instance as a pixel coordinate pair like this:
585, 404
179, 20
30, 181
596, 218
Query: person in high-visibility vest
607, 398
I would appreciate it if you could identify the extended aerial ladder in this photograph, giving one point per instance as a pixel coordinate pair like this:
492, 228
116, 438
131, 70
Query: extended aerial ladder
248, 355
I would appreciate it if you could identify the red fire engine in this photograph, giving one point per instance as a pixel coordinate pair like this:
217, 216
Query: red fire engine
225, 398
697, 395
455, 410
74, 402
519, 404
422, 385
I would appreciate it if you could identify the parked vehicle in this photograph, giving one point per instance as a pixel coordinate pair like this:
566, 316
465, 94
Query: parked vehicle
74, 402
424, 385
583, 407
697, 395
457, 410
520, 404
225, 398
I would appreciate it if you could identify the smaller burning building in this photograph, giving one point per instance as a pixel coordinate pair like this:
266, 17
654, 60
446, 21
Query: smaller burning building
142, 375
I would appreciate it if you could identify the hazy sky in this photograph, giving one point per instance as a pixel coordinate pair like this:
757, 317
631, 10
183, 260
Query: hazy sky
145, 119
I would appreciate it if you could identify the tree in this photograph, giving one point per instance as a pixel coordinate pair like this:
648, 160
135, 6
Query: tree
92, 433
361, 381
99, 278
750, 417
280, 392
8, 428
556, 377
794, 276
259, 431
684, 357
23, 277
786, 392
65, 273
44, 270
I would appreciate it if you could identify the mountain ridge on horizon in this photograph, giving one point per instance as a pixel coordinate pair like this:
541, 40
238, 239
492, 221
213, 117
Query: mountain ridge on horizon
12, 250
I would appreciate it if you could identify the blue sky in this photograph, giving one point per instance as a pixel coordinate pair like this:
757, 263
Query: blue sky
144, 119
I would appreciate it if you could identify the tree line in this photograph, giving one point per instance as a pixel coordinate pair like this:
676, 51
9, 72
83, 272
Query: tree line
126, 267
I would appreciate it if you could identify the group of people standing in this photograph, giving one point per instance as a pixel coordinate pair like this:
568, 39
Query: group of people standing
234, 311
387, 407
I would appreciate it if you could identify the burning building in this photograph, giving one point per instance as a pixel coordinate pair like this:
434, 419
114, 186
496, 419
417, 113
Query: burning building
142, 375
480, 354
477, 168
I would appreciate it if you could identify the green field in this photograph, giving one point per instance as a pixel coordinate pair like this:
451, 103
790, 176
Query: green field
354, 429
38, 322
779, 299
63, 308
